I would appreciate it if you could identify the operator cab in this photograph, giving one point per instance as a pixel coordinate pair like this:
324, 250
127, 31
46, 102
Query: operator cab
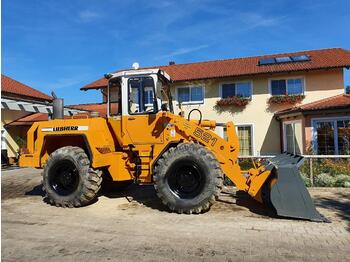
138, 92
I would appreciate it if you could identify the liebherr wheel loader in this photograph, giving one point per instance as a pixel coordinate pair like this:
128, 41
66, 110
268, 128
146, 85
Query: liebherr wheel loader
142, 140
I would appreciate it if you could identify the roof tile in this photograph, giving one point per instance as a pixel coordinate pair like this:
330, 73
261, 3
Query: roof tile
11, 86
320, 59
335, 102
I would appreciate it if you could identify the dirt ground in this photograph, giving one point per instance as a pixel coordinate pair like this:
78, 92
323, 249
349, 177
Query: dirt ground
134, 226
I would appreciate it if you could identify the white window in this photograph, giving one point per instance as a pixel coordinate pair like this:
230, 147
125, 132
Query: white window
190, 95
241, 89
148, 96
292, 137
331, 136
290, 86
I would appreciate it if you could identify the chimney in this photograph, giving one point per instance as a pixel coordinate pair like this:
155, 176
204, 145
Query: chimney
172, 63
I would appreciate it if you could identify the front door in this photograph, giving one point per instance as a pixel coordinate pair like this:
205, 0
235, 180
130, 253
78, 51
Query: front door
143, 124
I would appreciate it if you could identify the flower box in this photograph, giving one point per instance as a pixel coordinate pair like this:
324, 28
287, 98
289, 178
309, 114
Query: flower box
233, 101
286, 99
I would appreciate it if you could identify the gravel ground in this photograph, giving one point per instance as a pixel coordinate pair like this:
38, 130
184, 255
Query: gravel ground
134, 226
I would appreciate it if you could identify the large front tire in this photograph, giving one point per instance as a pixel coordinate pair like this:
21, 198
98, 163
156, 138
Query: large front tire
188, 178
68, 180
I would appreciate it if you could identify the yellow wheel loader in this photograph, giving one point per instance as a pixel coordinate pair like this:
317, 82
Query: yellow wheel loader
142, 140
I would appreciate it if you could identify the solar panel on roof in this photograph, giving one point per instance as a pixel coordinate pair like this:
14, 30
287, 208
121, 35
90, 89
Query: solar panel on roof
284, 59
300, 58
267, 61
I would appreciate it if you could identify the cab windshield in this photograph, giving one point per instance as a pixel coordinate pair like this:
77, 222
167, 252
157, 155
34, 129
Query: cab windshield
141, 95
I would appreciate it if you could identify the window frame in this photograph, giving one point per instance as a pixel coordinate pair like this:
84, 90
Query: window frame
252, 139
314, 121
236, 82
190, 87
286, 80
285, 135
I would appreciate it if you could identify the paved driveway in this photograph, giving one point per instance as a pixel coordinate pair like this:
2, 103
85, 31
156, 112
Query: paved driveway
134, 226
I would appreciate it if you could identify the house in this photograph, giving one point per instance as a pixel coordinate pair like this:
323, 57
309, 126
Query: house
12, 92
321, 127
257, 92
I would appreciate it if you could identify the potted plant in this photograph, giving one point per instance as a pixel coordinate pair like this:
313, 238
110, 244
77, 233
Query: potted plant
233, 101
286, 99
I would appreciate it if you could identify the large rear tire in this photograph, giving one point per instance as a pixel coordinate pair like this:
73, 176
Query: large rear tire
68, 180
188, 178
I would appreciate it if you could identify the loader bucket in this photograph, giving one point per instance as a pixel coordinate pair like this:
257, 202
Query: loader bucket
288, 195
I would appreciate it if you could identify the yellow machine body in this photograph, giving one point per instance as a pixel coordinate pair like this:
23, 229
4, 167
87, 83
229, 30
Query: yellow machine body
129, 146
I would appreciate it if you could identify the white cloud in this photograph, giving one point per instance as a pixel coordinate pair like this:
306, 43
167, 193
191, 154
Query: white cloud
184, 50
87, 16
254, 20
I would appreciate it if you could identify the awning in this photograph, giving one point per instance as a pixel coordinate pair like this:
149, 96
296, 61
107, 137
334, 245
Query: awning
35, 107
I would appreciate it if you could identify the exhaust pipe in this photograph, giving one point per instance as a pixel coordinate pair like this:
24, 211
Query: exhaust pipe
58, 107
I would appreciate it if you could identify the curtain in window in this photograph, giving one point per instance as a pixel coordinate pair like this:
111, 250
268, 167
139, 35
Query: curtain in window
245, 140
325, 138
243, 89
197, 93
295, 86
343, 137
293, 136
289, 138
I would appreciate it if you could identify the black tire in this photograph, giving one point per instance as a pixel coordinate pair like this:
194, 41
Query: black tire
188, 178
68, 180
266, 193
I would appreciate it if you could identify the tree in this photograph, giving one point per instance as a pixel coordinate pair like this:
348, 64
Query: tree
347, 89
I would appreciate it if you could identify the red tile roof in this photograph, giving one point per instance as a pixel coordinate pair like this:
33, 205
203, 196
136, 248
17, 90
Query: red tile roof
10, 86
335, 102
320, 59
101, 108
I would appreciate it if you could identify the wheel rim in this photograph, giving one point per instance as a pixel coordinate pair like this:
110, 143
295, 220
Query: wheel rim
185, 179
64, 177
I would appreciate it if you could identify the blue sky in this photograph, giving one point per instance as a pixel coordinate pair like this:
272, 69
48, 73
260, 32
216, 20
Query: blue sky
63, 45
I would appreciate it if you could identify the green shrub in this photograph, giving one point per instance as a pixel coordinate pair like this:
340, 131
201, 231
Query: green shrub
327, 171
324, 180
306, 180
342, 181
333, 166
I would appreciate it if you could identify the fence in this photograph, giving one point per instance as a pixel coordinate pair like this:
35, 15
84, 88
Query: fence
334, 169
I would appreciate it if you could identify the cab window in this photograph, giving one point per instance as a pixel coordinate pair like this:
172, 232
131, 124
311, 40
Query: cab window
115, 100
141, 95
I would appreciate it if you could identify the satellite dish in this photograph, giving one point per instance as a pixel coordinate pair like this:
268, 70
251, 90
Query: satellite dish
135, 66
